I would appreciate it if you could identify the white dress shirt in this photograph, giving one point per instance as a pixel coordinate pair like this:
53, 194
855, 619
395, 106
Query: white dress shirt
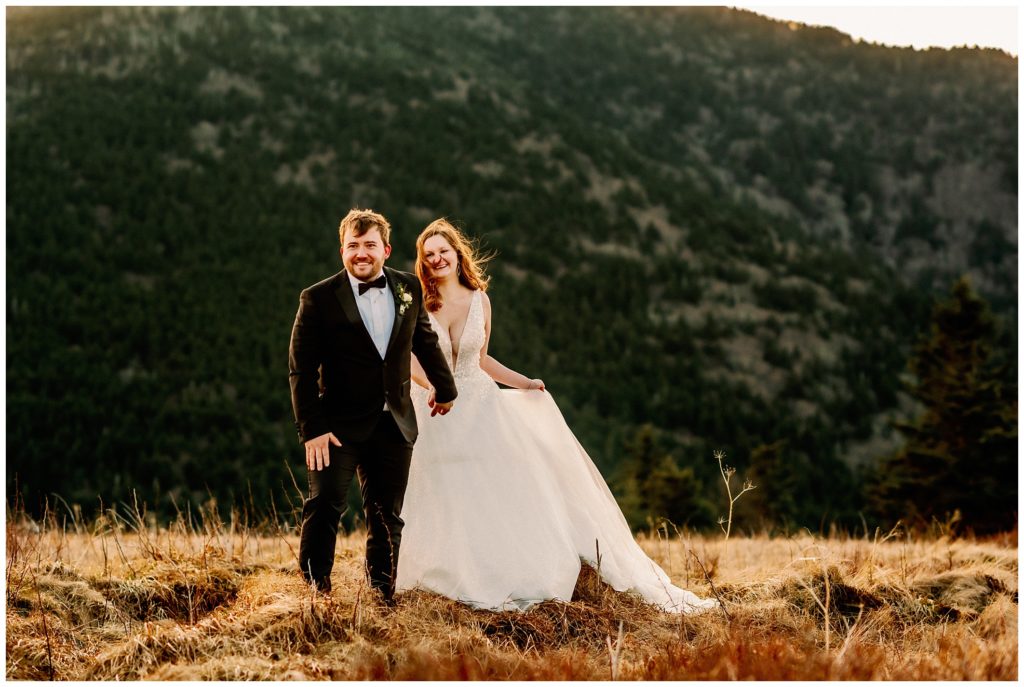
377, 308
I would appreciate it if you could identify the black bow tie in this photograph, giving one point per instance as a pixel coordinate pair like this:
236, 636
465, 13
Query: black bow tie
375, 284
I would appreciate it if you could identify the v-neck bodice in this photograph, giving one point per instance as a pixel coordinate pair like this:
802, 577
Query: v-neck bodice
464, 355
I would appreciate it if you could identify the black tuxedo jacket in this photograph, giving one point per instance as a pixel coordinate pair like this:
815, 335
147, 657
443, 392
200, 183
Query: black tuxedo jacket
330, 347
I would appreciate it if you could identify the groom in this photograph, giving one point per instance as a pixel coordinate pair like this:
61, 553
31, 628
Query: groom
348, 365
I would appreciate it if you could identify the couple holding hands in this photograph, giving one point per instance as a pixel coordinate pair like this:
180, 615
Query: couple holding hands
485, 491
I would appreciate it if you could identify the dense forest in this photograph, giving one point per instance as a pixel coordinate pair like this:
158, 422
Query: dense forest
714, 232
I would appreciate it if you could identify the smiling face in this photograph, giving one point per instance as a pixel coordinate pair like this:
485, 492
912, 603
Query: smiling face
439, 257
445, 256
364, 255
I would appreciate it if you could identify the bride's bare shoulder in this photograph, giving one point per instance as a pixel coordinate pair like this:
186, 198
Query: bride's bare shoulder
485, 302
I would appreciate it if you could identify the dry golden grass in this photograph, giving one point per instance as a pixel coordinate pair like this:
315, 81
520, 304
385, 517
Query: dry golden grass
221, 602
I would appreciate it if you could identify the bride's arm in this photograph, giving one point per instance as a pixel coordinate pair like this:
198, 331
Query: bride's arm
496, 370
417, 373
503, 375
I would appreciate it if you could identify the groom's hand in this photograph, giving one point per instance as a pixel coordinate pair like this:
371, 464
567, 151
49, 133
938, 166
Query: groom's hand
318, 451
440, 408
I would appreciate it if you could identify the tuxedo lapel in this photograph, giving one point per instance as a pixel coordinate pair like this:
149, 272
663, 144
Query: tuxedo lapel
393, 282
343, 291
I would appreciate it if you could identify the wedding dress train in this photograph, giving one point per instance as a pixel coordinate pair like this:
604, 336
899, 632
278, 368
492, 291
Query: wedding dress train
503, 502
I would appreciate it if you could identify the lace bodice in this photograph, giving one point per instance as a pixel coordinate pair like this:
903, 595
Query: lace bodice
466, 353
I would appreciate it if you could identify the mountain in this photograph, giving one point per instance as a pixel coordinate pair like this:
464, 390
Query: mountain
722, 226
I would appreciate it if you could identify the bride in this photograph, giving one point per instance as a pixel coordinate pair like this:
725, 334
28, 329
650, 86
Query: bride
502, 502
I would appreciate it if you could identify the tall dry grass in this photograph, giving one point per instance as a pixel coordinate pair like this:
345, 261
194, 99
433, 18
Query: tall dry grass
120, 598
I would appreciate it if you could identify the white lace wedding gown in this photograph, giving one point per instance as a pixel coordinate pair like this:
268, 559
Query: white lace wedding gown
503, 502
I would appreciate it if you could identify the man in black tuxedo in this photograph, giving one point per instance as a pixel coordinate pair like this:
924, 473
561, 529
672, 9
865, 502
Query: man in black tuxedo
348, 365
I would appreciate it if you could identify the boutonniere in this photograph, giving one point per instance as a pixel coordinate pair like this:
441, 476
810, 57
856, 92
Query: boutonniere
404, 298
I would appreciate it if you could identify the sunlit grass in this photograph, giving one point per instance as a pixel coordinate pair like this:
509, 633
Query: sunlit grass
117, 599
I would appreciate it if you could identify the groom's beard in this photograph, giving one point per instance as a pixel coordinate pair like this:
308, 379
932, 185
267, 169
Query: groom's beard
364, 271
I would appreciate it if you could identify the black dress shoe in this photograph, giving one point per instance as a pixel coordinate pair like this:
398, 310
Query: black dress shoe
382, 598
322, 585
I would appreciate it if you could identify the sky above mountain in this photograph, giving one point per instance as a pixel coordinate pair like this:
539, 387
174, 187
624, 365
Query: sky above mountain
919, 27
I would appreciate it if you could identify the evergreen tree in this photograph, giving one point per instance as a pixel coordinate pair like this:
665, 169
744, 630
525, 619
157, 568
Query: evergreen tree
777, 472
961, 451
653, 486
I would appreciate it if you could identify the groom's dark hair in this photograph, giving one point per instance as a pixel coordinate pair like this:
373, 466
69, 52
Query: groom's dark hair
361, 221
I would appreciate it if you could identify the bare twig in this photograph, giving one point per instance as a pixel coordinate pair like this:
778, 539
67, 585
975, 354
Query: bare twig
850, 634
714, 591
46, 629
614, 653
357, 609
823, 605
114, 527
727, 473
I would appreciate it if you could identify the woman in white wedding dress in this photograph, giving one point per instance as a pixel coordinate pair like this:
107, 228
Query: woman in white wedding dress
502, 502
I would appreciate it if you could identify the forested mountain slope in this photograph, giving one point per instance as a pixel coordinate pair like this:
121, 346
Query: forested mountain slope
723, 226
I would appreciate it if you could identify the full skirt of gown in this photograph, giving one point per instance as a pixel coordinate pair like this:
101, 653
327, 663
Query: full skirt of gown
503, 503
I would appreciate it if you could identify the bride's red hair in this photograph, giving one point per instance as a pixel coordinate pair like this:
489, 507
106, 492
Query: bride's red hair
469, 266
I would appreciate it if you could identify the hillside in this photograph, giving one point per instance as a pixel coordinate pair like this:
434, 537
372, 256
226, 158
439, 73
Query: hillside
725, 227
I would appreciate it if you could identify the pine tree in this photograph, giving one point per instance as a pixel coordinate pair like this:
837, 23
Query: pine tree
960, 453
653, 487
776, 470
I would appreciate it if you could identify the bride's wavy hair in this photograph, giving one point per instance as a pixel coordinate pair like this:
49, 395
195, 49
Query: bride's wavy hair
469, 266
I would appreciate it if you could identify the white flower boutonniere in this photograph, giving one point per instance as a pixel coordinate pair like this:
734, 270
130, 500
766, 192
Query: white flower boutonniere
404, 298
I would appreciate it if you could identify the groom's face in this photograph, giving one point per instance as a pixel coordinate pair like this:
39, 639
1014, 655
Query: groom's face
364, 255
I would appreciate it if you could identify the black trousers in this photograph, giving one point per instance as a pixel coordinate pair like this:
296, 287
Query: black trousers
382, 465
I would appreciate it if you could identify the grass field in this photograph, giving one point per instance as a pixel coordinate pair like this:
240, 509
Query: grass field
119, 600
